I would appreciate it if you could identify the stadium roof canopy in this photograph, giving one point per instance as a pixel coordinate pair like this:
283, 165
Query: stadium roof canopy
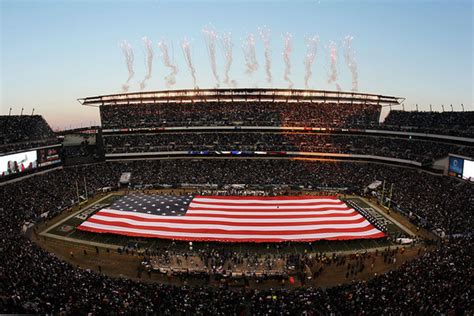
242, 95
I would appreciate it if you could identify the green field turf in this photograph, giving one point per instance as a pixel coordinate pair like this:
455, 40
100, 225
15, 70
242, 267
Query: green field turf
66, 230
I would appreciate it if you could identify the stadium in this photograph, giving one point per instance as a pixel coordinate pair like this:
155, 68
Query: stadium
285, 199
317, 161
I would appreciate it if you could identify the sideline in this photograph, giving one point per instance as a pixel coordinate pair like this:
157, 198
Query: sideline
45, 232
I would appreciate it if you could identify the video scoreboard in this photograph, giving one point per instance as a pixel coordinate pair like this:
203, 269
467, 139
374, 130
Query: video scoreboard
26, 161
461, 167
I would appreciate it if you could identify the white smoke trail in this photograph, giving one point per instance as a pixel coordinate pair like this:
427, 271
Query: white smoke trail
351, 62
227, 46
332, 78
311, 51
170, 79
210, 36
286, 57
248, 47
265, 35
148, 61
129, 57
186, 47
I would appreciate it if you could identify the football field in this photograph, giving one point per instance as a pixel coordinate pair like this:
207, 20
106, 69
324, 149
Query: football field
65, 231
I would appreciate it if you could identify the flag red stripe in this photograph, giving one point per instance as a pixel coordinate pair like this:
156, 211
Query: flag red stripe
252, 240
197, 203
211, 231
276, 210
283, 198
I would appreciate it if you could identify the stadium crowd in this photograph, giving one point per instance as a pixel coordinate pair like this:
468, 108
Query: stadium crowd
35, 281
449, 123
24, 131
247, 114
285, 114
403, 148
32, 280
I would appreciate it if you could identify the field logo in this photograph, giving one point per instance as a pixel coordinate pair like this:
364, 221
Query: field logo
84, 215
65, 228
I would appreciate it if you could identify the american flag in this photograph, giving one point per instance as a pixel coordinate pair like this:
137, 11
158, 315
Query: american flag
232, 218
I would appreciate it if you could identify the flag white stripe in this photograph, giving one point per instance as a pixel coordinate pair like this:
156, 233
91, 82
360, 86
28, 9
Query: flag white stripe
276, 214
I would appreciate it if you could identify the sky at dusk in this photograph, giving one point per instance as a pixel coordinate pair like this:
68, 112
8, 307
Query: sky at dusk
54, 52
